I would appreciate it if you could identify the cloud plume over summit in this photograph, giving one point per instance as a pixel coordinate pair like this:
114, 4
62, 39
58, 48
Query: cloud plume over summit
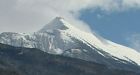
25, 14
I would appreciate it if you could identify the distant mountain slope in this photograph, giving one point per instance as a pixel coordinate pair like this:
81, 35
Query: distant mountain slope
61, 38
26, 61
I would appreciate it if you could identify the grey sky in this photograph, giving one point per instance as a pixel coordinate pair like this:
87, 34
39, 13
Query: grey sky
12, 19
31, 15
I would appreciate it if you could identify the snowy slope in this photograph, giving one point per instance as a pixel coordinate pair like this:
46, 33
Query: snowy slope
110, 47
60, 37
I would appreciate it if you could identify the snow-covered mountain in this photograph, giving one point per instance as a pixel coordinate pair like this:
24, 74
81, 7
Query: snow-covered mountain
60, 37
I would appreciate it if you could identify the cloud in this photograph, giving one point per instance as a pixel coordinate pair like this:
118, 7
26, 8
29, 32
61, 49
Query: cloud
134, 41
22, 15
131, 3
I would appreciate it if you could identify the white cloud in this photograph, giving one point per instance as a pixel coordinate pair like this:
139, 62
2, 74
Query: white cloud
21, 14
131, 3
134, 41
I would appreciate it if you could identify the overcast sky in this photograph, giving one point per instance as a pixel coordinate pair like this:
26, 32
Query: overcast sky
117, 20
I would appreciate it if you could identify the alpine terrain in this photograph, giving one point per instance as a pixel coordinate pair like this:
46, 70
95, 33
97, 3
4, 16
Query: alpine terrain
31, 61
61, 38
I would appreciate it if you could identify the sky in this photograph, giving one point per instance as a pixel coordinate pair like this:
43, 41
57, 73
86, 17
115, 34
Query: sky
120, 27
116, 20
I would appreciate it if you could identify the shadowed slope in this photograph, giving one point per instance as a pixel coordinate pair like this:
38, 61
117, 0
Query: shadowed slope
28, 61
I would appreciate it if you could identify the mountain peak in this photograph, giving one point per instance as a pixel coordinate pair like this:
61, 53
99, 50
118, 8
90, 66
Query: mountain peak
59, 18
57, 23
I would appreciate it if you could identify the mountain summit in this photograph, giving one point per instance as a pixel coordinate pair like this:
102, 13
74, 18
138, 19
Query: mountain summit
60, 37
56, 24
